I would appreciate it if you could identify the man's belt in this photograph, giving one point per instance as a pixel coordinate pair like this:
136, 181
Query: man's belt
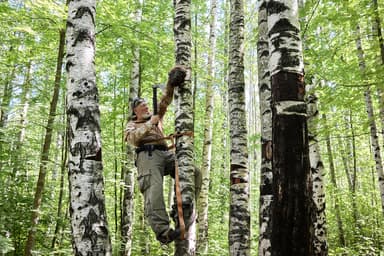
150, 148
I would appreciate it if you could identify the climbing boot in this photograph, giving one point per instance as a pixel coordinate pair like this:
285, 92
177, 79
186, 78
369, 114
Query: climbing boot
168, 236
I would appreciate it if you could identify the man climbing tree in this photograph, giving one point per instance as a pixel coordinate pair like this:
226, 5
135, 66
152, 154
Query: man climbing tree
153, 160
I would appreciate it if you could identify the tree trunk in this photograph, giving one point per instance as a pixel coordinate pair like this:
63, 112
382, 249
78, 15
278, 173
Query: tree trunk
183, 123
26, 88
239, 215
318, 185
145, 243
377, 24
194, 87
128, 167
45, 150
292, 230
6, 100
334, 183
351, 178
224, 174
266, 134
208, 131
64, 154
4, 111
116, 158
90, 235
371, 118
380, 94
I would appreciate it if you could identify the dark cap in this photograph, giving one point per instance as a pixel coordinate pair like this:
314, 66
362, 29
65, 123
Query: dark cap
136, 102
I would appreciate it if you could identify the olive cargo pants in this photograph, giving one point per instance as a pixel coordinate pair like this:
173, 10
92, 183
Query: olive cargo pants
152, 166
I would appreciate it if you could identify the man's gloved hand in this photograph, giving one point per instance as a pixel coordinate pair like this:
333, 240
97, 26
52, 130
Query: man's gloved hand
177, 75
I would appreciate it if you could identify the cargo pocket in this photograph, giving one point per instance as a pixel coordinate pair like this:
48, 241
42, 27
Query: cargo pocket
144, 181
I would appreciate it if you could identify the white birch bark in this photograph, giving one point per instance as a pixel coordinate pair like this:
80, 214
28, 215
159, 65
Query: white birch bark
183, 123
380, 94
202, 245
371, 118
318, 184
239, 215
90, 235
266, 196
285, 48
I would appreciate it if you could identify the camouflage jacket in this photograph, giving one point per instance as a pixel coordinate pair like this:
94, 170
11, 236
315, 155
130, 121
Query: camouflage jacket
139, 133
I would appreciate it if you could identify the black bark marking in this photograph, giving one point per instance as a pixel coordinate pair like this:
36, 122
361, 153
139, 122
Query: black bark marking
93, 199
264, 87
241, 215
263, 6
69, 65
87, 120
86, 88
84, 35
182, 23
87, 223
266, 183
69, 24
274, 7
237, 88
84, 10
263, 49
289, 58
97, 157
283, 26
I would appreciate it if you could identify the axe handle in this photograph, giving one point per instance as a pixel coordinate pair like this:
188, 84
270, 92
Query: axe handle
154, 100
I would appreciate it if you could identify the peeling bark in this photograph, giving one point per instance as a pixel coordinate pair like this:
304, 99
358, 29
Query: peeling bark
292, 230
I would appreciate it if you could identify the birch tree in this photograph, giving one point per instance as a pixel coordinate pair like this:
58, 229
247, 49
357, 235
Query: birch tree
208, 131
44, 158
239, 216
332, 171
4, 109
266, 134
320, 245
24, 102
184, 123
90, 235
63, 162
377, 29
292, 229
371, 117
